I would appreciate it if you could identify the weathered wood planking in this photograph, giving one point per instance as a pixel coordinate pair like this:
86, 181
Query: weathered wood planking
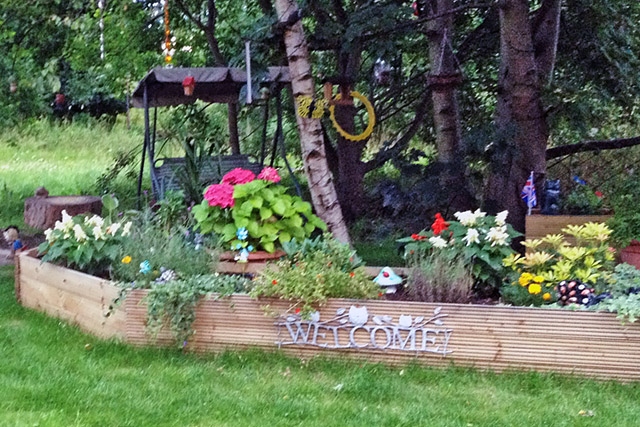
70, 295
487, 337
538, 226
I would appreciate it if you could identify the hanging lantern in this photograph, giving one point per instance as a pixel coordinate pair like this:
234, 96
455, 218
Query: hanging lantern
189, 84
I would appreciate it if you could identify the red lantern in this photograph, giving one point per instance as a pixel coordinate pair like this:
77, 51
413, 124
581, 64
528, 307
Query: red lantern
188, 84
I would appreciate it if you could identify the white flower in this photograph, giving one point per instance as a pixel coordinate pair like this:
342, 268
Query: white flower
479, 214
466, 218
126, 230
94, 221
501, 217
497, 236
48, 234
113, 228
79, 233
66, 218
98, 233
438, 242
473, 236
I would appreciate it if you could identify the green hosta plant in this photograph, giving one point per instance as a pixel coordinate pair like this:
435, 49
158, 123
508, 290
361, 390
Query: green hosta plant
254, 213
553, 259
86, 243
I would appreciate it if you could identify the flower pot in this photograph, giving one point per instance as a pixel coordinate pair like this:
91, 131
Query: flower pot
631, 255
256, 262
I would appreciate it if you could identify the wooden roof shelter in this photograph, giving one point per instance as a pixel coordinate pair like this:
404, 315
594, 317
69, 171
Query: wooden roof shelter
163, 87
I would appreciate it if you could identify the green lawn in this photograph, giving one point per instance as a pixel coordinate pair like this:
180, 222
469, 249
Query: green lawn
53, 375
66, 159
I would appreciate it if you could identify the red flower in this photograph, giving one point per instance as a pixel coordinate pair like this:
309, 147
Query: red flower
219, 195
269, 174
238, 176
274, 282
418, 237
352, 274
599, 194
298, 310
439, 225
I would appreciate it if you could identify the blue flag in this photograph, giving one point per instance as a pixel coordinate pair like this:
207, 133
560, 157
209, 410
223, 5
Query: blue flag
528, 193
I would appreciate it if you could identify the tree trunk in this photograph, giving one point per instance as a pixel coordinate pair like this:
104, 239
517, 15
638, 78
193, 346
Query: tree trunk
444, 80
522, 131
323, 192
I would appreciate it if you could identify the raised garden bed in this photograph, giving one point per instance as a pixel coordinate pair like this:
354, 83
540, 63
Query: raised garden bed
537, 226
487, 337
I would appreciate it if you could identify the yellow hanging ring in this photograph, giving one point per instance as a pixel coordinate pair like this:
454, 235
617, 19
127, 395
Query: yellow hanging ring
372, 118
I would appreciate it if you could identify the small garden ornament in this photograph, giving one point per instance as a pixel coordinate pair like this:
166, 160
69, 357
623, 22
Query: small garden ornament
388, 280
12, 236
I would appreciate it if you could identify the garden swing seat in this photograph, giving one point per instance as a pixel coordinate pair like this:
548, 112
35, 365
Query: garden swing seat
170, 171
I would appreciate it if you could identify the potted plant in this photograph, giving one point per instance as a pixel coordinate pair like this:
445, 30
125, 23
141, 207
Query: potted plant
625, 224
250, 213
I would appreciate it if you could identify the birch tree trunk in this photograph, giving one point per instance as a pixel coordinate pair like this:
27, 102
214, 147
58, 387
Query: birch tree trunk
321, 186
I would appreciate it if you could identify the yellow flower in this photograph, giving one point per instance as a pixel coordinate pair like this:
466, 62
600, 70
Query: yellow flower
538, 279
126, 260
546, 296
535, 289
525, 279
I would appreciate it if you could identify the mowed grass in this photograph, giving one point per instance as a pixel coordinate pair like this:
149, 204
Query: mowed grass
51, 374
64, 158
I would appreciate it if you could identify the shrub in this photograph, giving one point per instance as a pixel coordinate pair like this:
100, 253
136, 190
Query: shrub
552, 259
314, 271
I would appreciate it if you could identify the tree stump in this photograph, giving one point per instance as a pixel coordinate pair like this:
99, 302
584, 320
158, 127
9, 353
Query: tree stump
42, 212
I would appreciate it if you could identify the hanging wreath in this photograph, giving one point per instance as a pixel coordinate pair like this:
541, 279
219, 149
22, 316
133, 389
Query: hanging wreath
372, 118
310, 108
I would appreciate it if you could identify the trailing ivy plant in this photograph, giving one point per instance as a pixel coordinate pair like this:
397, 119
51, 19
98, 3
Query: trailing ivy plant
173, 303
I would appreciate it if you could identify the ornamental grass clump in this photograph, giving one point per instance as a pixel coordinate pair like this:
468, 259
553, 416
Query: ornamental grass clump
156, 253
553, 259
479, 240
314, 271
254, 213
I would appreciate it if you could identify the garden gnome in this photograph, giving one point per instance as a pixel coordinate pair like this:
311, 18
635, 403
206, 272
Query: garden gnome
388, 280
12, 236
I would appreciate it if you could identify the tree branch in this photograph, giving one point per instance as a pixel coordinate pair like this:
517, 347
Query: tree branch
391, 149
581, 147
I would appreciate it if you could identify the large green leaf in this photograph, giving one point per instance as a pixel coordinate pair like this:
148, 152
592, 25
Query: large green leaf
279, 207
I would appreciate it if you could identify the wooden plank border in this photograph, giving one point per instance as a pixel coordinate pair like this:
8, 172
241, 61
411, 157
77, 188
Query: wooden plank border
497, 338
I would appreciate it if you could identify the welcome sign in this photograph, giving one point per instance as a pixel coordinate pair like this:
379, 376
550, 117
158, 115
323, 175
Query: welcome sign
356, 328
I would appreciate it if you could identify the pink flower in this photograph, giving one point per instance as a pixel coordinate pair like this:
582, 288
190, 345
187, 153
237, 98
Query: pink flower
238, 176
269, 174
219, 195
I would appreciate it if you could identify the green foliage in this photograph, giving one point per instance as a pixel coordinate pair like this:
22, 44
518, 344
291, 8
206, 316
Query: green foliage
270, 215
481, 240
89, 244
313, 272
626, 215
582, 201
552, 259
624, 289
173, 303
156, 249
